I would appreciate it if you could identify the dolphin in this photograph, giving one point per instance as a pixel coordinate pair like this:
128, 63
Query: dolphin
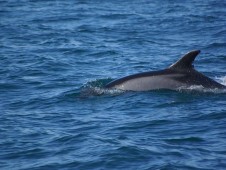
178, 75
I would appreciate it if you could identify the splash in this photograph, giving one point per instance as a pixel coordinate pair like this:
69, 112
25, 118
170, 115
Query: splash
96, 88
191, 88
221, 80
200, 89
96, 91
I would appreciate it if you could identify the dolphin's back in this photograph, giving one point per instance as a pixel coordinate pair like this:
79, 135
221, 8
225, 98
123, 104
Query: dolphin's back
181, 73
164, 79
131, 77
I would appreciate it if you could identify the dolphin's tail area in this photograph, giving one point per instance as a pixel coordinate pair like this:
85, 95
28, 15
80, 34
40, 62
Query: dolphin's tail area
186, 61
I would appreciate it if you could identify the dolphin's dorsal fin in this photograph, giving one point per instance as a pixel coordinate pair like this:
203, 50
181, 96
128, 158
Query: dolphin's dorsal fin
186, 61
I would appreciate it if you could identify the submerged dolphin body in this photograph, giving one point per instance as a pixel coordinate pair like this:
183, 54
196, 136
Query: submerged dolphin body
179, 74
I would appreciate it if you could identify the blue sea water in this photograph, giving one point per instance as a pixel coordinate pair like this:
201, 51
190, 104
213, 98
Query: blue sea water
56, 57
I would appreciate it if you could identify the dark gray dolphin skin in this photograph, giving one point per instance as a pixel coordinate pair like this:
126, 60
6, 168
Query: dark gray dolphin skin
180, 74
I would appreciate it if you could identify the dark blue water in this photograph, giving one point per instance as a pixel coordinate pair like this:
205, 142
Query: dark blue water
55, 58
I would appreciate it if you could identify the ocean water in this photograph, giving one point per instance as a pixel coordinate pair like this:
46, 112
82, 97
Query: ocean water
56, 57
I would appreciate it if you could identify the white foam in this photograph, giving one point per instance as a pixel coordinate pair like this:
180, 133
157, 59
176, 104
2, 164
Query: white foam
191, 88
221, 80
200, 88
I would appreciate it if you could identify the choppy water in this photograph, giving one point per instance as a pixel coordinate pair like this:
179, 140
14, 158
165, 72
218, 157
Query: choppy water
55, 58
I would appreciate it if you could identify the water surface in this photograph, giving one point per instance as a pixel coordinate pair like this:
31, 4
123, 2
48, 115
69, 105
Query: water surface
56, 56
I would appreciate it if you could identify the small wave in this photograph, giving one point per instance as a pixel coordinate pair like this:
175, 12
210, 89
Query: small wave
216, 45
220, 33
117, 16
185, 140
